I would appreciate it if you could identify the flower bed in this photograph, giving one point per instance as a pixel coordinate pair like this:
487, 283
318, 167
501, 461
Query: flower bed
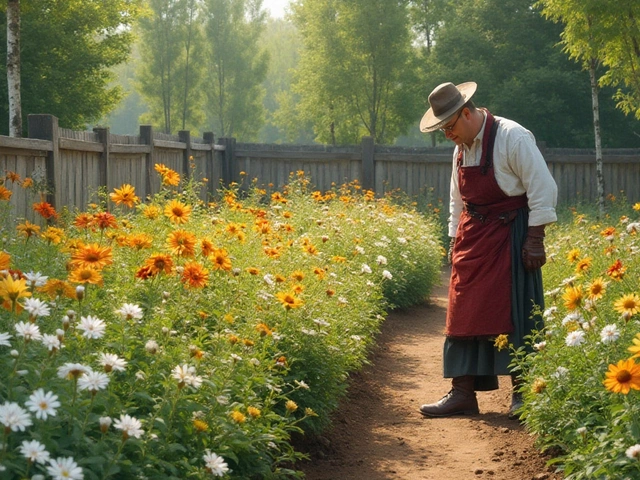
178, 339
583, 378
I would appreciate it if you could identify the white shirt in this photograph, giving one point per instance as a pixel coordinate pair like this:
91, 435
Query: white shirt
519, 168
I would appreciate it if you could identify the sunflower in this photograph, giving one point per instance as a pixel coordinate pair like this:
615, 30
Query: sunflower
583, 265
140, 241
220, 259
125, 195
177, 212
597, 288
92, 256
58, 288
151, 212
572, 297
627, 305
85, 275
159, 263
195, 275
623, 377
5, 193
289, 300
28, 229
573, 255
182, 243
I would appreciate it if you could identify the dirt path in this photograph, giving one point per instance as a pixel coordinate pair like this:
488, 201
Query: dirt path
378, 434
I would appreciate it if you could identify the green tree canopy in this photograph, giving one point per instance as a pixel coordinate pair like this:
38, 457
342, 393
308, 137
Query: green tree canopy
68, 49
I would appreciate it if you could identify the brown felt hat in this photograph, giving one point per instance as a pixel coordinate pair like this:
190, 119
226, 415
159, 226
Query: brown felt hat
445, 100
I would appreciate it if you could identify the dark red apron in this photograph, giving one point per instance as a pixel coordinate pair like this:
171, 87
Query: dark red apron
480, 287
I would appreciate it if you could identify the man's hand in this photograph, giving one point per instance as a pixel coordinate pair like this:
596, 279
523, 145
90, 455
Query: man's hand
533, 255
452, 243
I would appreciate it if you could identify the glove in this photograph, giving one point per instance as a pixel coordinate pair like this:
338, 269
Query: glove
452, 243
533, 255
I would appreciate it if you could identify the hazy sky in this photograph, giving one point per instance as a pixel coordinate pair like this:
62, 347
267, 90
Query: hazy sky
276, 7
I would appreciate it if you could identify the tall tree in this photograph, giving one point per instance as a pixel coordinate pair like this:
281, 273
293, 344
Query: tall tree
237, 65
67, 51
357, 73
170, 75
13, 68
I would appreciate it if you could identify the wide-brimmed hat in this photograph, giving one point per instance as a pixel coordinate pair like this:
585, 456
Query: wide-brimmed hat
445, 100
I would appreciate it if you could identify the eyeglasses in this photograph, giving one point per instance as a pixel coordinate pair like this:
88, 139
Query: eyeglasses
451, 127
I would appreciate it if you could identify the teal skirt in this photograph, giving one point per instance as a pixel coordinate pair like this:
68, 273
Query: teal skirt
478, 356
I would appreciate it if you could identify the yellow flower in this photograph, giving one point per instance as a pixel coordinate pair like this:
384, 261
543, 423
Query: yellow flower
597, 288
636, 207
291, 406
53, 235
572, 297
85, 275
623, 377
200, 425
627, 305
583, 265
220, 259
151, 212
177, 212
5, 260
125, 195
573, 255
289, 300
238, 417
159, 263
539, 385
12, 290
28, 229
254, 412
5, 193
182, 243
501, 342
195, 275
635, 348
92, 256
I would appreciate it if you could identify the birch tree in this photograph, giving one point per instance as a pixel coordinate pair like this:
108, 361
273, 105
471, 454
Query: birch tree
13, 68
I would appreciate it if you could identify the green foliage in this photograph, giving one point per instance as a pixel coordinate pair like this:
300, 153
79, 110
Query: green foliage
357, 70
592, 266
67, 51
231, 360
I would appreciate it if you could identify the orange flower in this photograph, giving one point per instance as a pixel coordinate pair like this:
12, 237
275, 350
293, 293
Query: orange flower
27, 182
83, 220
177, 212
298, 275
28, 229
151, 212
572, 297
92, 256
5, 193
220, 259
195, 275
58, 288
13, 177
310, 249
159, 263
85, 275
616, 271
53, 235
206, 247
339, 259
583, 265
125, 195
277, 197
320, 272
279, 278
623, 377
105, 220
289, 300
263, 329
253, 270
182, 243
607, 232
597, 288
140, 241
5, 260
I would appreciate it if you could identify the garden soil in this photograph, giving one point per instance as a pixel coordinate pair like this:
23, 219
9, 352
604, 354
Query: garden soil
378, 434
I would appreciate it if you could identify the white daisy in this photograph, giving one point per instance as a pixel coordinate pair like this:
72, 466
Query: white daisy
105, 423
365, 268
130, 426
539, 346
129, 311
34, 451
93, 381
36, 307
575, 338
151, 346
111, 362
572, 317
387, 274
4, 339
92, 327
269, 280
215, 464
35, 279
560, 372
609, 333
185, 374
359, 249
51, 342
402, 240
64, 468
43, 404
29, 331
14, 417
72, 370
633, 452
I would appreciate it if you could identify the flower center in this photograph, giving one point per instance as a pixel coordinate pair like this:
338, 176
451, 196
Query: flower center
623, 376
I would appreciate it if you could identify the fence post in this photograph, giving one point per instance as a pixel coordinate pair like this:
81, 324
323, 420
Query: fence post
45, 127
146, 135
185, 137
228, 158
209, 139
103, 137
368, 164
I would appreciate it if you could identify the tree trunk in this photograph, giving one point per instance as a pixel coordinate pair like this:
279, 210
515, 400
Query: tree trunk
13, 68
596, 129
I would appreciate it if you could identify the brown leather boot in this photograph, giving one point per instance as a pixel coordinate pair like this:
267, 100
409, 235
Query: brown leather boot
461, 400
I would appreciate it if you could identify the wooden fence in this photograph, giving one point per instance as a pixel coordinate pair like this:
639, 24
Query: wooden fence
77, 165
